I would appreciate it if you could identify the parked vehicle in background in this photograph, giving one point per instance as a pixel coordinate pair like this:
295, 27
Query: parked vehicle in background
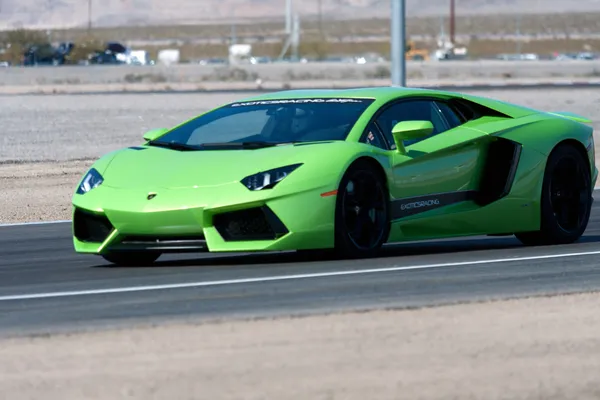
105, 57
114, 53
416, 54
47, 54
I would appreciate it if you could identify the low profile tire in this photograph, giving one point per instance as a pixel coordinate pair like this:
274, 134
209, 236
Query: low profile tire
131, 259
362, 216
566, 200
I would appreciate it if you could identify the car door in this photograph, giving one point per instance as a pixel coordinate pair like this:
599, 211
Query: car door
434, 171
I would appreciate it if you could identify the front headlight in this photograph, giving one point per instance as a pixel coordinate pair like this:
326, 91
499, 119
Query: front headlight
268, 179
92, 180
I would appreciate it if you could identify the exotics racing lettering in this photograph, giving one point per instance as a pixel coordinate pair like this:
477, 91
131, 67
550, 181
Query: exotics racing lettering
420, 204
296, 101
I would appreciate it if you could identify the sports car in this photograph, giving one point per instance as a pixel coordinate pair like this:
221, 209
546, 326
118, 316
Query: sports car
344, 171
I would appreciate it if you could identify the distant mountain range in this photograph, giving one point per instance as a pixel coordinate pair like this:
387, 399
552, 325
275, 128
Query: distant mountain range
44, 14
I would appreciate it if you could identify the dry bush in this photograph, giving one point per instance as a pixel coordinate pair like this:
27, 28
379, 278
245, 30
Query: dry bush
143, 78
231, 74
84, 47
319, 48
17, 41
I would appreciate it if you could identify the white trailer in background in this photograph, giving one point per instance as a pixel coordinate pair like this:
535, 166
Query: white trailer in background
139, 57
447, 50
241, 54
168, 56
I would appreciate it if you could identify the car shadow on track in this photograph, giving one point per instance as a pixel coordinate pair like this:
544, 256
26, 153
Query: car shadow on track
407, 249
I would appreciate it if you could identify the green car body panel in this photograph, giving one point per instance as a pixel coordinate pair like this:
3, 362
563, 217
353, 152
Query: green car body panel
189, 189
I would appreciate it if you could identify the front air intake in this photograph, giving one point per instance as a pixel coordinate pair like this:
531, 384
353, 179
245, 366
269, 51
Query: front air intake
89, 227
258, 223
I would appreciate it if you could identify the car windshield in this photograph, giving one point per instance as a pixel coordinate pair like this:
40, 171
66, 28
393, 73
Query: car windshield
266, 123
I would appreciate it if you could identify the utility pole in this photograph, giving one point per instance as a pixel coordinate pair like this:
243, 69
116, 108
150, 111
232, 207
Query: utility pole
233, 39
89, 17
290, 30
452, 21
288, 17
295, 37
398, 42
320, 18
519, 33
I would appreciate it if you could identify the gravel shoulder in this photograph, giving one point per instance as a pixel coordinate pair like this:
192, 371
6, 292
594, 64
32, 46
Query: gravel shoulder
74, 127
34, 192
542, 348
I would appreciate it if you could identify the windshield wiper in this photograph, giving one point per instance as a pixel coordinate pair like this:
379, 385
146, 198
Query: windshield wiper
239, 145
217, 146
174, 145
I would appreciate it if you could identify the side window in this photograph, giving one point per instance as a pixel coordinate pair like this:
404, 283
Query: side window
466, 112
374, 137
451, 117
417, 110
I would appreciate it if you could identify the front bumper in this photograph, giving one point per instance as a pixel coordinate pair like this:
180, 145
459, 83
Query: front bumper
229, 218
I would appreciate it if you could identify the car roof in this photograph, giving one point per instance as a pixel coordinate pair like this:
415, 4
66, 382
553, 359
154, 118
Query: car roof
383, 93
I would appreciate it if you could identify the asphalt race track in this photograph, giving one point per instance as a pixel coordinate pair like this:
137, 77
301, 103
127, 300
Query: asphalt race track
46, 287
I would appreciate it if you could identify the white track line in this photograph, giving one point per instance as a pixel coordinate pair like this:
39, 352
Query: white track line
283, 277
36, 223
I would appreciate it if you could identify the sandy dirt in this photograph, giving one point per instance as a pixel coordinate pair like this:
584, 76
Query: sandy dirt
39, 191
72, 127
546, 348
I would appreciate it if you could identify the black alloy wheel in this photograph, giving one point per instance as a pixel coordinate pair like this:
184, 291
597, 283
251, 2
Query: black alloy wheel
362, 212
566, 199
569, 194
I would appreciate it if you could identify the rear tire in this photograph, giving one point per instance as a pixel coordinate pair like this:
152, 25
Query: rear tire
131, 259
566, 199
362, 216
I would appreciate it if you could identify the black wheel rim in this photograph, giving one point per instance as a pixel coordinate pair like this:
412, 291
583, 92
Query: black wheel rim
364, 210
569, 194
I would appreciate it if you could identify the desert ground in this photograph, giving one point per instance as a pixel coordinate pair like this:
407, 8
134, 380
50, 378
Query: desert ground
190, 77
541, 348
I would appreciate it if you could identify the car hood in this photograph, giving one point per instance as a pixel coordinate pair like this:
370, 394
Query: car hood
143, 167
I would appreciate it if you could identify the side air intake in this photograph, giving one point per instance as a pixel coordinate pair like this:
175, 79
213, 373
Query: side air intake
499, 170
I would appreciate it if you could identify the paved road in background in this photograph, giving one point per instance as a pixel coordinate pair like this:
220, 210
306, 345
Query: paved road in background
566, 84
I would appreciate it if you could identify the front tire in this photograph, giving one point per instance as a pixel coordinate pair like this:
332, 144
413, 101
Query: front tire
566, 199
131, 259
362, 221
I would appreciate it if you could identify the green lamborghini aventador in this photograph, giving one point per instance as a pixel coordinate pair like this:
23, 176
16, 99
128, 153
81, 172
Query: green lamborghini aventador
346, 170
